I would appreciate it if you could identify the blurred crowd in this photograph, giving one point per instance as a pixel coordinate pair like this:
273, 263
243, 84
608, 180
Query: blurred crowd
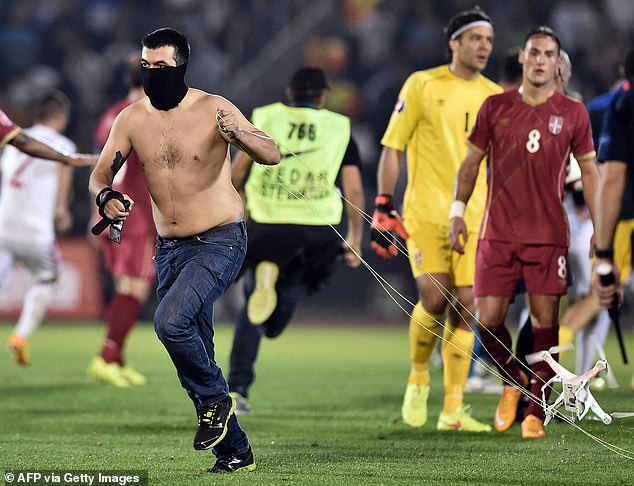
367, 47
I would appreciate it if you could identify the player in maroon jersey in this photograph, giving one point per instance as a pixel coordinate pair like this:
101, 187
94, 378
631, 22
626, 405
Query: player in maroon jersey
527, 135
130, 262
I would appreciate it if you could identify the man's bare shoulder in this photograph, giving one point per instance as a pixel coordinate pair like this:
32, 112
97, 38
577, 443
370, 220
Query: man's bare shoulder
209, 99
132, 112
201, 100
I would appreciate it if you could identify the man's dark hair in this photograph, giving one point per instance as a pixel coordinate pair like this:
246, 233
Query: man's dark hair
50, 105
543, 30
304, 98
463, 18
133, 74
628, 64
167, 36
307, 85
510, 67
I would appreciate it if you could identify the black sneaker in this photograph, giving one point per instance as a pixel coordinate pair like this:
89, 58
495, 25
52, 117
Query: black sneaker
212, 423
239, 462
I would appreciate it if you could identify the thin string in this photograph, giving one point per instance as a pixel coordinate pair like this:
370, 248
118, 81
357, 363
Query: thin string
445, 293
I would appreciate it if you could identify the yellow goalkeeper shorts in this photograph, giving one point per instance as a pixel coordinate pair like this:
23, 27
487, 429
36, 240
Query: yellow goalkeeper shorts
623, 247
429, 252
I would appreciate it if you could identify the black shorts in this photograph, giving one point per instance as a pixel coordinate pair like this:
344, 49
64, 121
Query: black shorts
312, 250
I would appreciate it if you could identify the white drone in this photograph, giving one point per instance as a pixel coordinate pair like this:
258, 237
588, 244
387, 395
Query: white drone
576, 396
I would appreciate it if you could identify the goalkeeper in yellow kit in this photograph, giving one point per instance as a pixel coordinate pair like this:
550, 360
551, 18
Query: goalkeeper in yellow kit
432, 118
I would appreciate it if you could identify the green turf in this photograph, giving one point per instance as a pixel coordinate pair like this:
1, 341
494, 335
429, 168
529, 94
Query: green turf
326, 404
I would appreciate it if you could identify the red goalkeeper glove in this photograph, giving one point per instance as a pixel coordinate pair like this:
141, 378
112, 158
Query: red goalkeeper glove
385, 223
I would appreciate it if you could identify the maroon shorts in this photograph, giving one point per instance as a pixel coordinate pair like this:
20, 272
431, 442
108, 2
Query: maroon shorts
133, 258
500, 265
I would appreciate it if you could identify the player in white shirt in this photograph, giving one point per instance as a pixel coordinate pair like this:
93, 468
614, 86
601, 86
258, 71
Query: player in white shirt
34, 195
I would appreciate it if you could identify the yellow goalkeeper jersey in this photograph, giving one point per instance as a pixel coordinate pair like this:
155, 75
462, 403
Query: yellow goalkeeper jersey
433, 117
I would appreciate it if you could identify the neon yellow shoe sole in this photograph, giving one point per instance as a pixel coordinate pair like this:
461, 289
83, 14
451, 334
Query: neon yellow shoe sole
109, 373
414, 409
132, 376
461, 421
263, 300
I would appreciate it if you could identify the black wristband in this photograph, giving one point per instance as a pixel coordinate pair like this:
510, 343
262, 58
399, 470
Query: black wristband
383, 202
604, 254
101, 193
112, 194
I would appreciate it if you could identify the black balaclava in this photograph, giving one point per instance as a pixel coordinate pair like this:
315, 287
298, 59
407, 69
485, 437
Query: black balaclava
165, 86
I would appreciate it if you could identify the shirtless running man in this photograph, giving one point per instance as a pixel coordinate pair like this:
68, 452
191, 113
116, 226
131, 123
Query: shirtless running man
181, 136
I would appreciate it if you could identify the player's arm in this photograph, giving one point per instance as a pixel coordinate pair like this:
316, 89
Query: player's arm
238, 131
239, 167
608, 199
583, 149
468, 174
43, 150
386, 222
609, 196
389, 169
405, 118
616, 153
465, 183
112, 157
590, 182
63, 216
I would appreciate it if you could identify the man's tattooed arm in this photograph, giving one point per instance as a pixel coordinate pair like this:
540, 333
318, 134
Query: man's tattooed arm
117, 162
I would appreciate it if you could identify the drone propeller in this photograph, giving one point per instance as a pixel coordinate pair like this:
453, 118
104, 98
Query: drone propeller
610, 378
533, 358
622, 414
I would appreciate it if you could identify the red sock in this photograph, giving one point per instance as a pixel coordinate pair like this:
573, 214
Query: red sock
497, 343
122, 314
544, 338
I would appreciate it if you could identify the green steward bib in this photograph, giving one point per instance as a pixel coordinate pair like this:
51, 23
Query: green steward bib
301, 188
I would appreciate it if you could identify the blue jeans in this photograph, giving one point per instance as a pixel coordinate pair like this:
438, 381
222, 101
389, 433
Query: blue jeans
192, 273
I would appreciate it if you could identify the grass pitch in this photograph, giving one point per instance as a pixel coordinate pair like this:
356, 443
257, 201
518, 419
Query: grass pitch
326, 411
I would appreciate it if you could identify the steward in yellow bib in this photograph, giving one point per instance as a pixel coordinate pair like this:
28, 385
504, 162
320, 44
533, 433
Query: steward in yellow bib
291, 246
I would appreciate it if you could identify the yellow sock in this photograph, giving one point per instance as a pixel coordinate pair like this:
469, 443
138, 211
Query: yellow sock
566, 335
423, 329
456, 356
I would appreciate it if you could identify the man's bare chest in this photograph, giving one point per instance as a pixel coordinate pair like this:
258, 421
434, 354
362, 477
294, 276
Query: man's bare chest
171, 147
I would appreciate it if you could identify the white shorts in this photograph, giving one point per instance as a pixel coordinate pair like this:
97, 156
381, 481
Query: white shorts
579, 256
42, 261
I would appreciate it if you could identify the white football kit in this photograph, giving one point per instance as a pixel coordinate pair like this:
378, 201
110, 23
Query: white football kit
27, 207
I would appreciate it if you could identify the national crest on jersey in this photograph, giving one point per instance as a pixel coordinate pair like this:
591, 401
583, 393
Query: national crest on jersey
555, 124
399, 106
